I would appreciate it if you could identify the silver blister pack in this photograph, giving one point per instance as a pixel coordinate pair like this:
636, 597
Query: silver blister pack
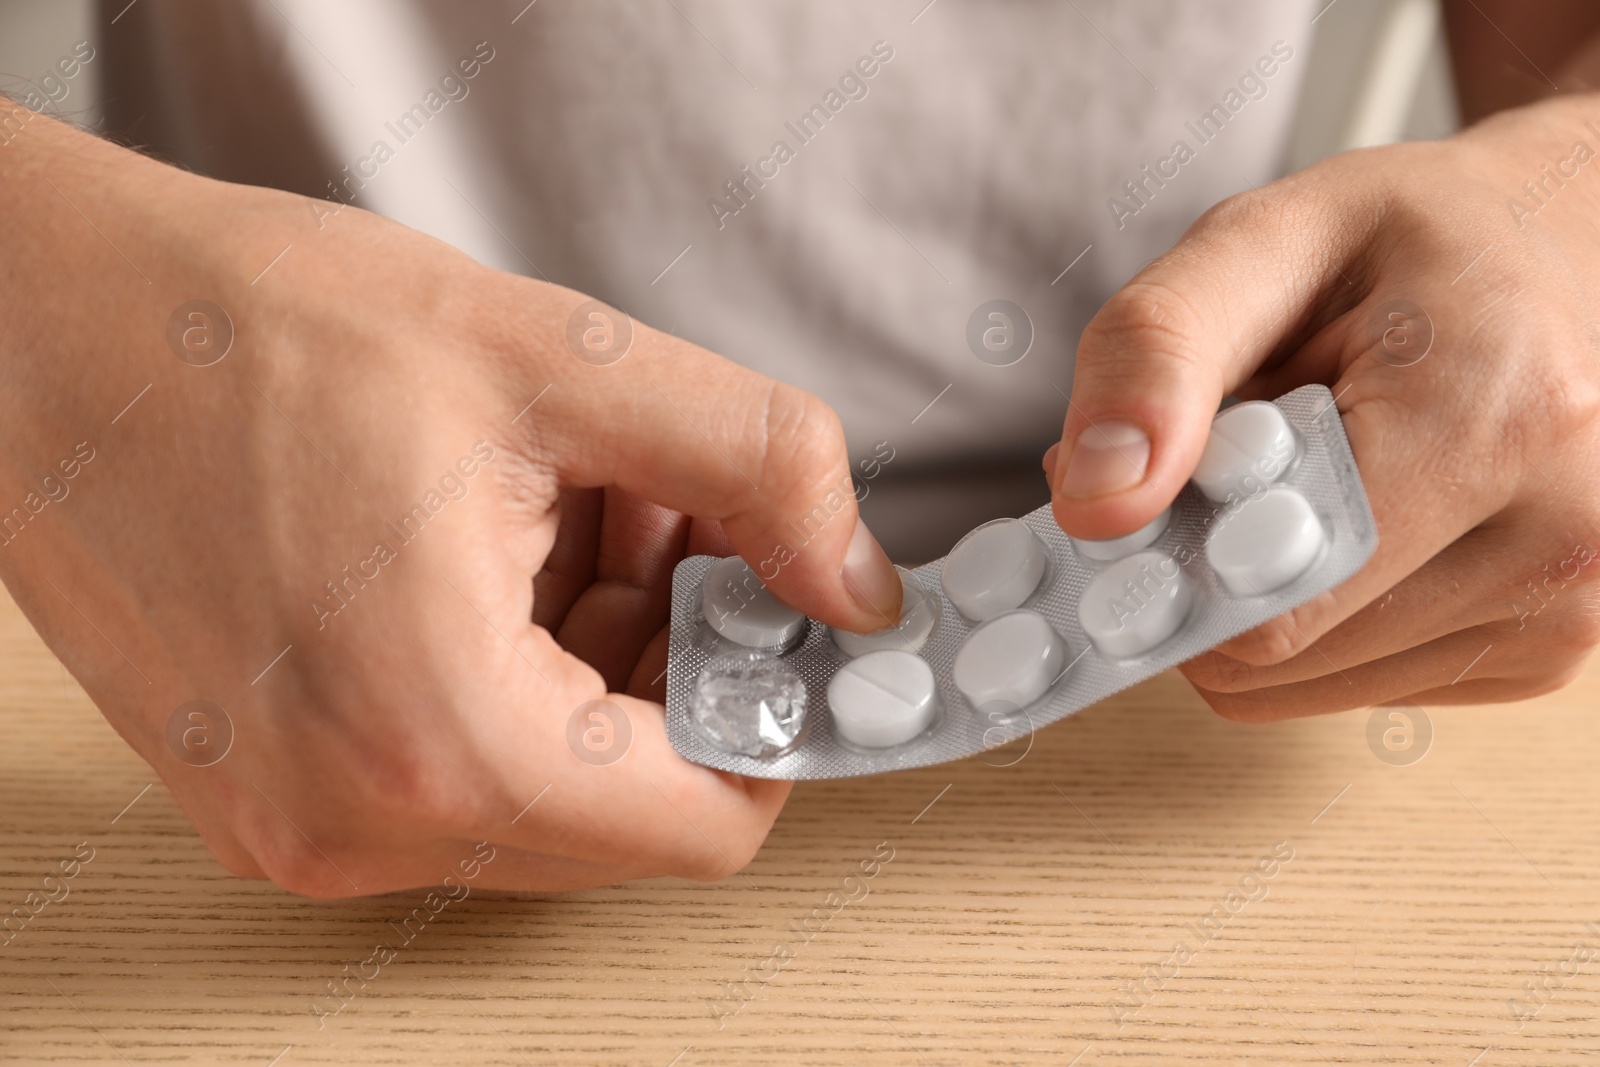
1216, 567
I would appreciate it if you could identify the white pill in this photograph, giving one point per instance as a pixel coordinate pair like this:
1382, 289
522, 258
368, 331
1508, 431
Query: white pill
1266, 544
917, 616
993, 569
1010, 660
882, 698
1117, 547
1250, 446
1135, 604
741, 609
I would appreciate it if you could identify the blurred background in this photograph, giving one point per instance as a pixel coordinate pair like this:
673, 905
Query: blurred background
1378, 72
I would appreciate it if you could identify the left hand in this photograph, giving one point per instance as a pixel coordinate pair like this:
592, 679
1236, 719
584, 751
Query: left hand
1481, 459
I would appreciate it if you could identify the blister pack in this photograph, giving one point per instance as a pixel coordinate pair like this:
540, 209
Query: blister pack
1019, 625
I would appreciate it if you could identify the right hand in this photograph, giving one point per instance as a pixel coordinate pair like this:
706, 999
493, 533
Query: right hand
426, 713
1480, 463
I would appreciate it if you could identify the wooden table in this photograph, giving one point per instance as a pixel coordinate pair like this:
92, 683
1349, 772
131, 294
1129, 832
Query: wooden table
1022, 905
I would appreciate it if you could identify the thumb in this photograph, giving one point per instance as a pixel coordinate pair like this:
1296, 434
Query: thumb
1155, 362
689, 430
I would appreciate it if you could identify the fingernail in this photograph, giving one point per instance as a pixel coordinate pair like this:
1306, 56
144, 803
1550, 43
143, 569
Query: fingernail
870, 577
1108, 457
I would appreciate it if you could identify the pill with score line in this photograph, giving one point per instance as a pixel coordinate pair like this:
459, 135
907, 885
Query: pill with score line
883, 698
1251, 446
1020, 625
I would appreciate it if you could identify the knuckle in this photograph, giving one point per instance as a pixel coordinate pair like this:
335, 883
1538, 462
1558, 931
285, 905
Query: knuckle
744, 846
1567, 674
1538, 413
1541, 683
1564, 403
1587, 625
1240, 213
289, 861
803, 437
1147, 317
1579, 628
732, 854
1238, 707
707, 865
1274, 642
411, 783
390, 763
231, 855
1218, 672
238, 865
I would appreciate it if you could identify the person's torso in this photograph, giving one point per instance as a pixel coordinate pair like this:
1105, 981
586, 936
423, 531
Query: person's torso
826, 192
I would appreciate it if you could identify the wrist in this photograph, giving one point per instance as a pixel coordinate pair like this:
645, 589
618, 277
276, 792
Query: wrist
79, 282
1544, 159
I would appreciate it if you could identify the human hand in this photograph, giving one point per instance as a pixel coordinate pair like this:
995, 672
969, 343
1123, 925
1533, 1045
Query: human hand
1479, 452
333, 532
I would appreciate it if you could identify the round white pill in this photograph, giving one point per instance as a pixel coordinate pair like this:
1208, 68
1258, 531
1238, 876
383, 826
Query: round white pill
1250, 446
741, 609
993, 569
1010, 660
883, 698
1117, 547
1135, 604
1266, 544
917, 616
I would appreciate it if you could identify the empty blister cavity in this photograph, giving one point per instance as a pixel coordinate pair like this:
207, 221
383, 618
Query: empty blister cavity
1009, 662
1251, 445
1135, 604
749, 703
739, 607
918, 613
1269, 542
993, 569
1117, 547
883, 698
1029, 626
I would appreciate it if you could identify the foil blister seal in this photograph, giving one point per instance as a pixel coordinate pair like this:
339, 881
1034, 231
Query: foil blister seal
1324, 472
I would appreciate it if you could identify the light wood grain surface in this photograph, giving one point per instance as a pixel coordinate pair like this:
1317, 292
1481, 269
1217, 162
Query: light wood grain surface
1020, 905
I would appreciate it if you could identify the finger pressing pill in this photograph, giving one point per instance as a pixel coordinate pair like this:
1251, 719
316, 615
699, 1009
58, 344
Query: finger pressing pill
1009, 662
1117, 547
1135, 604
1250, 447
740, 608
882, 698
1020, 625
1266, 544
993, 569
917, 617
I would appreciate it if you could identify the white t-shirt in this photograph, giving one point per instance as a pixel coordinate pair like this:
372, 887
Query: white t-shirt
823, 191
